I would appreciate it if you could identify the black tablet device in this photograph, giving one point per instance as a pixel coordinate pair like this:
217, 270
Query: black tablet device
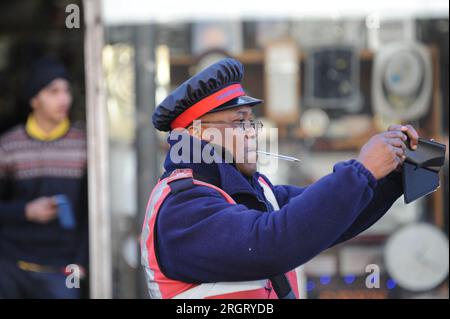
421, 169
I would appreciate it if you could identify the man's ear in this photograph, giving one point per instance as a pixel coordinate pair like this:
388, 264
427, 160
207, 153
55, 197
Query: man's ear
34, 103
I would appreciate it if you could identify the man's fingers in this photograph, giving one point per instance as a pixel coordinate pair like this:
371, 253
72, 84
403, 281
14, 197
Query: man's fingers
52, 202
397, 151
399, 158
399, 162
413, 135
397, 142
395, 127
395, 134
407, 129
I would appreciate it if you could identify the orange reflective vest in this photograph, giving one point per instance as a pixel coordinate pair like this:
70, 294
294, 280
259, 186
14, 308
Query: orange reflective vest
160, 286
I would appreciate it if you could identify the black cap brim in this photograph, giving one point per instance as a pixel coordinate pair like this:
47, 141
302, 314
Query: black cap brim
239, 101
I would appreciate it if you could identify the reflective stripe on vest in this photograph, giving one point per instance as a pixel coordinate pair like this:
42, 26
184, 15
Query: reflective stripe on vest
162, 287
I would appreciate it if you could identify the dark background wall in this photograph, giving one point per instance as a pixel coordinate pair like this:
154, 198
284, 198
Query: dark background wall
28, 30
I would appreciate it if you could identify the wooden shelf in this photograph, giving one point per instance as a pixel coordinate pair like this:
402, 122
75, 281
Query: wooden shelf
252, 57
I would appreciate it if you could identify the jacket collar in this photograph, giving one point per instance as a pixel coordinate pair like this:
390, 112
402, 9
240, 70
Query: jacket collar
224, 175
35, 131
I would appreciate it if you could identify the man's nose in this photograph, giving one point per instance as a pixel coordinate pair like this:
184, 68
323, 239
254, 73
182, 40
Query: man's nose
250, 131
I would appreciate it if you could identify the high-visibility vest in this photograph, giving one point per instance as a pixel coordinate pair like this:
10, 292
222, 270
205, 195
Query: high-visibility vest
160, 286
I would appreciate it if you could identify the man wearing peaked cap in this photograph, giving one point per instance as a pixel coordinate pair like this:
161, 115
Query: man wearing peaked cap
220, 229
214, 89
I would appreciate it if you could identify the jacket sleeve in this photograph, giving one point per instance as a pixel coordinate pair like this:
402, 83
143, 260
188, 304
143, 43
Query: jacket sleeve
284, 193
202, 238
388, 190
10, 210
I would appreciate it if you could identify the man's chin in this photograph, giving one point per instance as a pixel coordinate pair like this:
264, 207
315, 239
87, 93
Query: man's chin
59, 117
248, 169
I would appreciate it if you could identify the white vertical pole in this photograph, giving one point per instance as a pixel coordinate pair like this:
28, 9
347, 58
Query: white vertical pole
97, 132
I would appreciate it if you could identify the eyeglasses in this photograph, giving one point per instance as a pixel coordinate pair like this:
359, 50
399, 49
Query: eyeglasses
244, 125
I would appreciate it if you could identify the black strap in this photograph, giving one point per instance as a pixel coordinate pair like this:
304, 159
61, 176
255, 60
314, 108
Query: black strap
282, 287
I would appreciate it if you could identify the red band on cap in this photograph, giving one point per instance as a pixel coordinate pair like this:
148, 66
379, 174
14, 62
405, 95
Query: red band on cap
207, 104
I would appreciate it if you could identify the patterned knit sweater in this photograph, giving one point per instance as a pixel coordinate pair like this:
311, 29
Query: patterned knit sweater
31, 168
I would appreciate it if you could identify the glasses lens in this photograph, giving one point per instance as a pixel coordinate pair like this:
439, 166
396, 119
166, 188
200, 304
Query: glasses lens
255, 125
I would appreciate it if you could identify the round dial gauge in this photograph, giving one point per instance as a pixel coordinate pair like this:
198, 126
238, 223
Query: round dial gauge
416, 257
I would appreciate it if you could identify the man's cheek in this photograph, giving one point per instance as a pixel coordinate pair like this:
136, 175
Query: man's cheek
247, 169
251, 143
239, 154
67, 101
252, 157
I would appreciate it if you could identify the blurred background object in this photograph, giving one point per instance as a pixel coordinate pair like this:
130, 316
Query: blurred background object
41, 78
332, 73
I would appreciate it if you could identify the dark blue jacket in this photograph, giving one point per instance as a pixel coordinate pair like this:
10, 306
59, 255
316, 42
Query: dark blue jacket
200, 237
